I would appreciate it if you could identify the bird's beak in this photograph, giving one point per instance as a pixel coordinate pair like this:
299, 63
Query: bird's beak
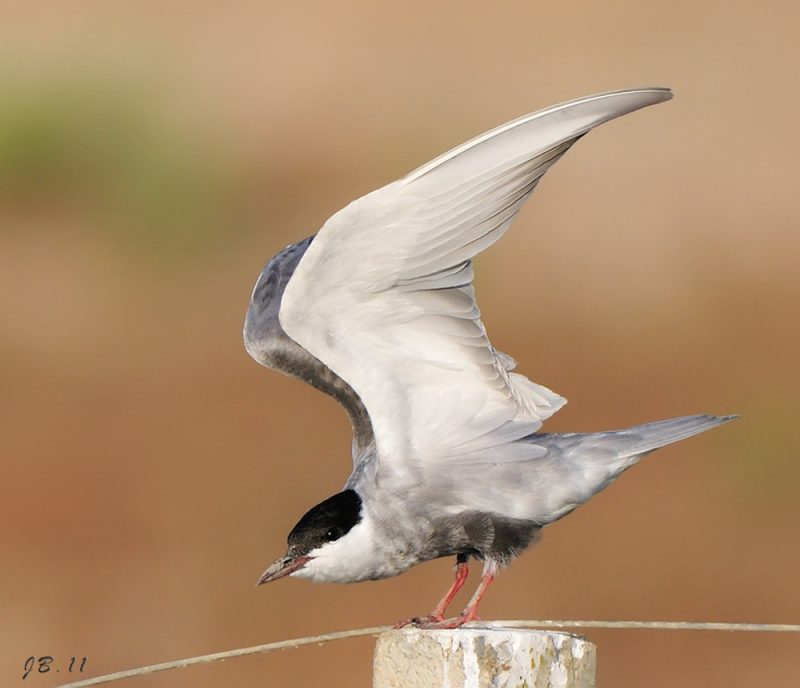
283, 567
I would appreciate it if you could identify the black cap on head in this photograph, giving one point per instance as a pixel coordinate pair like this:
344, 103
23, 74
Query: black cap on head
326, 522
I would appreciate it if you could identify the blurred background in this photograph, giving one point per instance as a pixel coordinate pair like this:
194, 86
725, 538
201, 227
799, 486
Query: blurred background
153, 156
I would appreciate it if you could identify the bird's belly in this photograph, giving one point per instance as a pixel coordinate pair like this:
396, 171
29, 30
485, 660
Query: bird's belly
482, 534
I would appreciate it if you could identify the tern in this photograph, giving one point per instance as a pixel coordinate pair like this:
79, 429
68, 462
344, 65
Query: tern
378, 310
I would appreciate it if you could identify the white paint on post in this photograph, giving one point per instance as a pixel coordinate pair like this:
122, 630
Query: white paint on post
483, 657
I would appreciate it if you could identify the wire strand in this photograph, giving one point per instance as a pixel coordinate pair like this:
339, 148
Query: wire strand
377, 630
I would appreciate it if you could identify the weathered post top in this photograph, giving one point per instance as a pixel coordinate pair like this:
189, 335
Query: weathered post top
483, 657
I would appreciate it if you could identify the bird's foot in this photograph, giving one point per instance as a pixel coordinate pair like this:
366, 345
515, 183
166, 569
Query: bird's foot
420, 621
455, 622
432, 622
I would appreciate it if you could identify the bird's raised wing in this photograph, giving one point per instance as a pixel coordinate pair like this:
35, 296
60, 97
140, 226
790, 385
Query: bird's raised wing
384, 296
268, 344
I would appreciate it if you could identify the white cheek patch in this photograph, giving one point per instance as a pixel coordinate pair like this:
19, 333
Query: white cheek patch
305, 572
353, 557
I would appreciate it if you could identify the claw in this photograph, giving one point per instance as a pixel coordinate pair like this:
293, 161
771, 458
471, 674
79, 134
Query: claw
456, 622
419, 621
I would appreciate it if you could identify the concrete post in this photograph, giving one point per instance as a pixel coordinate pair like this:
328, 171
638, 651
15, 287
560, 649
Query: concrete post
476, 657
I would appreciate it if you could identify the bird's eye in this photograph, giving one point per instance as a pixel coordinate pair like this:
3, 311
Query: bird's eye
334, 533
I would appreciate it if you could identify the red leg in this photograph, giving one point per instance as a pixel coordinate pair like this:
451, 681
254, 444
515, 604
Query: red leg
437, 615
462, 571
470, 612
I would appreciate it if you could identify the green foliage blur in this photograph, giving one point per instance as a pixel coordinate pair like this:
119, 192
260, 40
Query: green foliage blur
105, 155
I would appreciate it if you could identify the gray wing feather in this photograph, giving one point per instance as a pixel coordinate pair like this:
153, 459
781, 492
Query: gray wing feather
266, 341
570, 469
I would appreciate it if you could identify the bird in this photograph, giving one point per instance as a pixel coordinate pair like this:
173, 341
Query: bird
378, 310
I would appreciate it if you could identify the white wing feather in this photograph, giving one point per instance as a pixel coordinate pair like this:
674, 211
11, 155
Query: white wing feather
384, 294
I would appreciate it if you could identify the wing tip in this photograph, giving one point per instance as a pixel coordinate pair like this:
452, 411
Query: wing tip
659, 93
642, 97
627, 101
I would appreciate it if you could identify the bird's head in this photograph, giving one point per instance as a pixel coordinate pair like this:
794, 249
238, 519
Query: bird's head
315, 535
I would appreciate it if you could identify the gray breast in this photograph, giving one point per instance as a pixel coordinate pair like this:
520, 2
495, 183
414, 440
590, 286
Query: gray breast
266, 341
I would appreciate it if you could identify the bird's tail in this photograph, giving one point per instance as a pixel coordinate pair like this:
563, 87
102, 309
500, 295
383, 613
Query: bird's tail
642, 439
590, 461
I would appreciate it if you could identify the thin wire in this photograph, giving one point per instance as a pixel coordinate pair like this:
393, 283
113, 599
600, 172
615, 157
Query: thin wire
654, 625
377, 630
219, 656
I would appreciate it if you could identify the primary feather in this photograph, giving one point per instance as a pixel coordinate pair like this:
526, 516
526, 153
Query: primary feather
384, 294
